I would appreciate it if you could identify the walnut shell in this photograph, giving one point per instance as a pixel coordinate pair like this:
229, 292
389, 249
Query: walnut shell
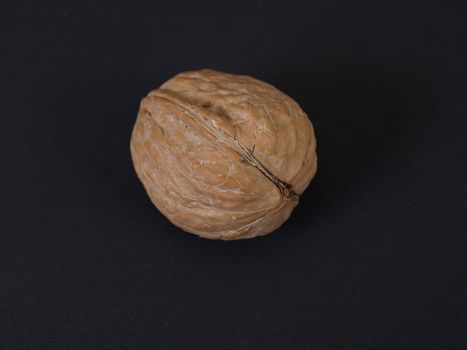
223, 156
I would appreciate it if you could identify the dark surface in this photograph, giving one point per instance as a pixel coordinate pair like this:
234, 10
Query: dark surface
375, 256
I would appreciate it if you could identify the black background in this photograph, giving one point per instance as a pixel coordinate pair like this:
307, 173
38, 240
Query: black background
374, 257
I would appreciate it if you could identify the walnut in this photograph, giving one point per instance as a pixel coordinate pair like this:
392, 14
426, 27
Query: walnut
223, 156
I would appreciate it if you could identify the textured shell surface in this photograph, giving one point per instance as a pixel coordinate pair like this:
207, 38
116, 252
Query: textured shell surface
223, 156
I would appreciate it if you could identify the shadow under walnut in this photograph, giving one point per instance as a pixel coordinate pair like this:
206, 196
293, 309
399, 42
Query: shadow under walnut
223, 156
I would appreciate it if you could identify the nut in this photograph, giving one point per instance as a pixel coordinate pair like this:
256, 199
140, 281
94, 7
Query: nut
223, 156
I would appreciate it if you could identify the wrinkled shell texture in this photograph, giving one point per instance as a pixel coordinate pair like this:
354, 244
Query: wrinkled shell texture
223, 156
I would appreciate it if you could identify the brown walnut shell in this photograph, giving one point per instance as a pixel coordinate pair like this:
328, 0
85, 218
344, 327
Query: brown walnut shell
223, 156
